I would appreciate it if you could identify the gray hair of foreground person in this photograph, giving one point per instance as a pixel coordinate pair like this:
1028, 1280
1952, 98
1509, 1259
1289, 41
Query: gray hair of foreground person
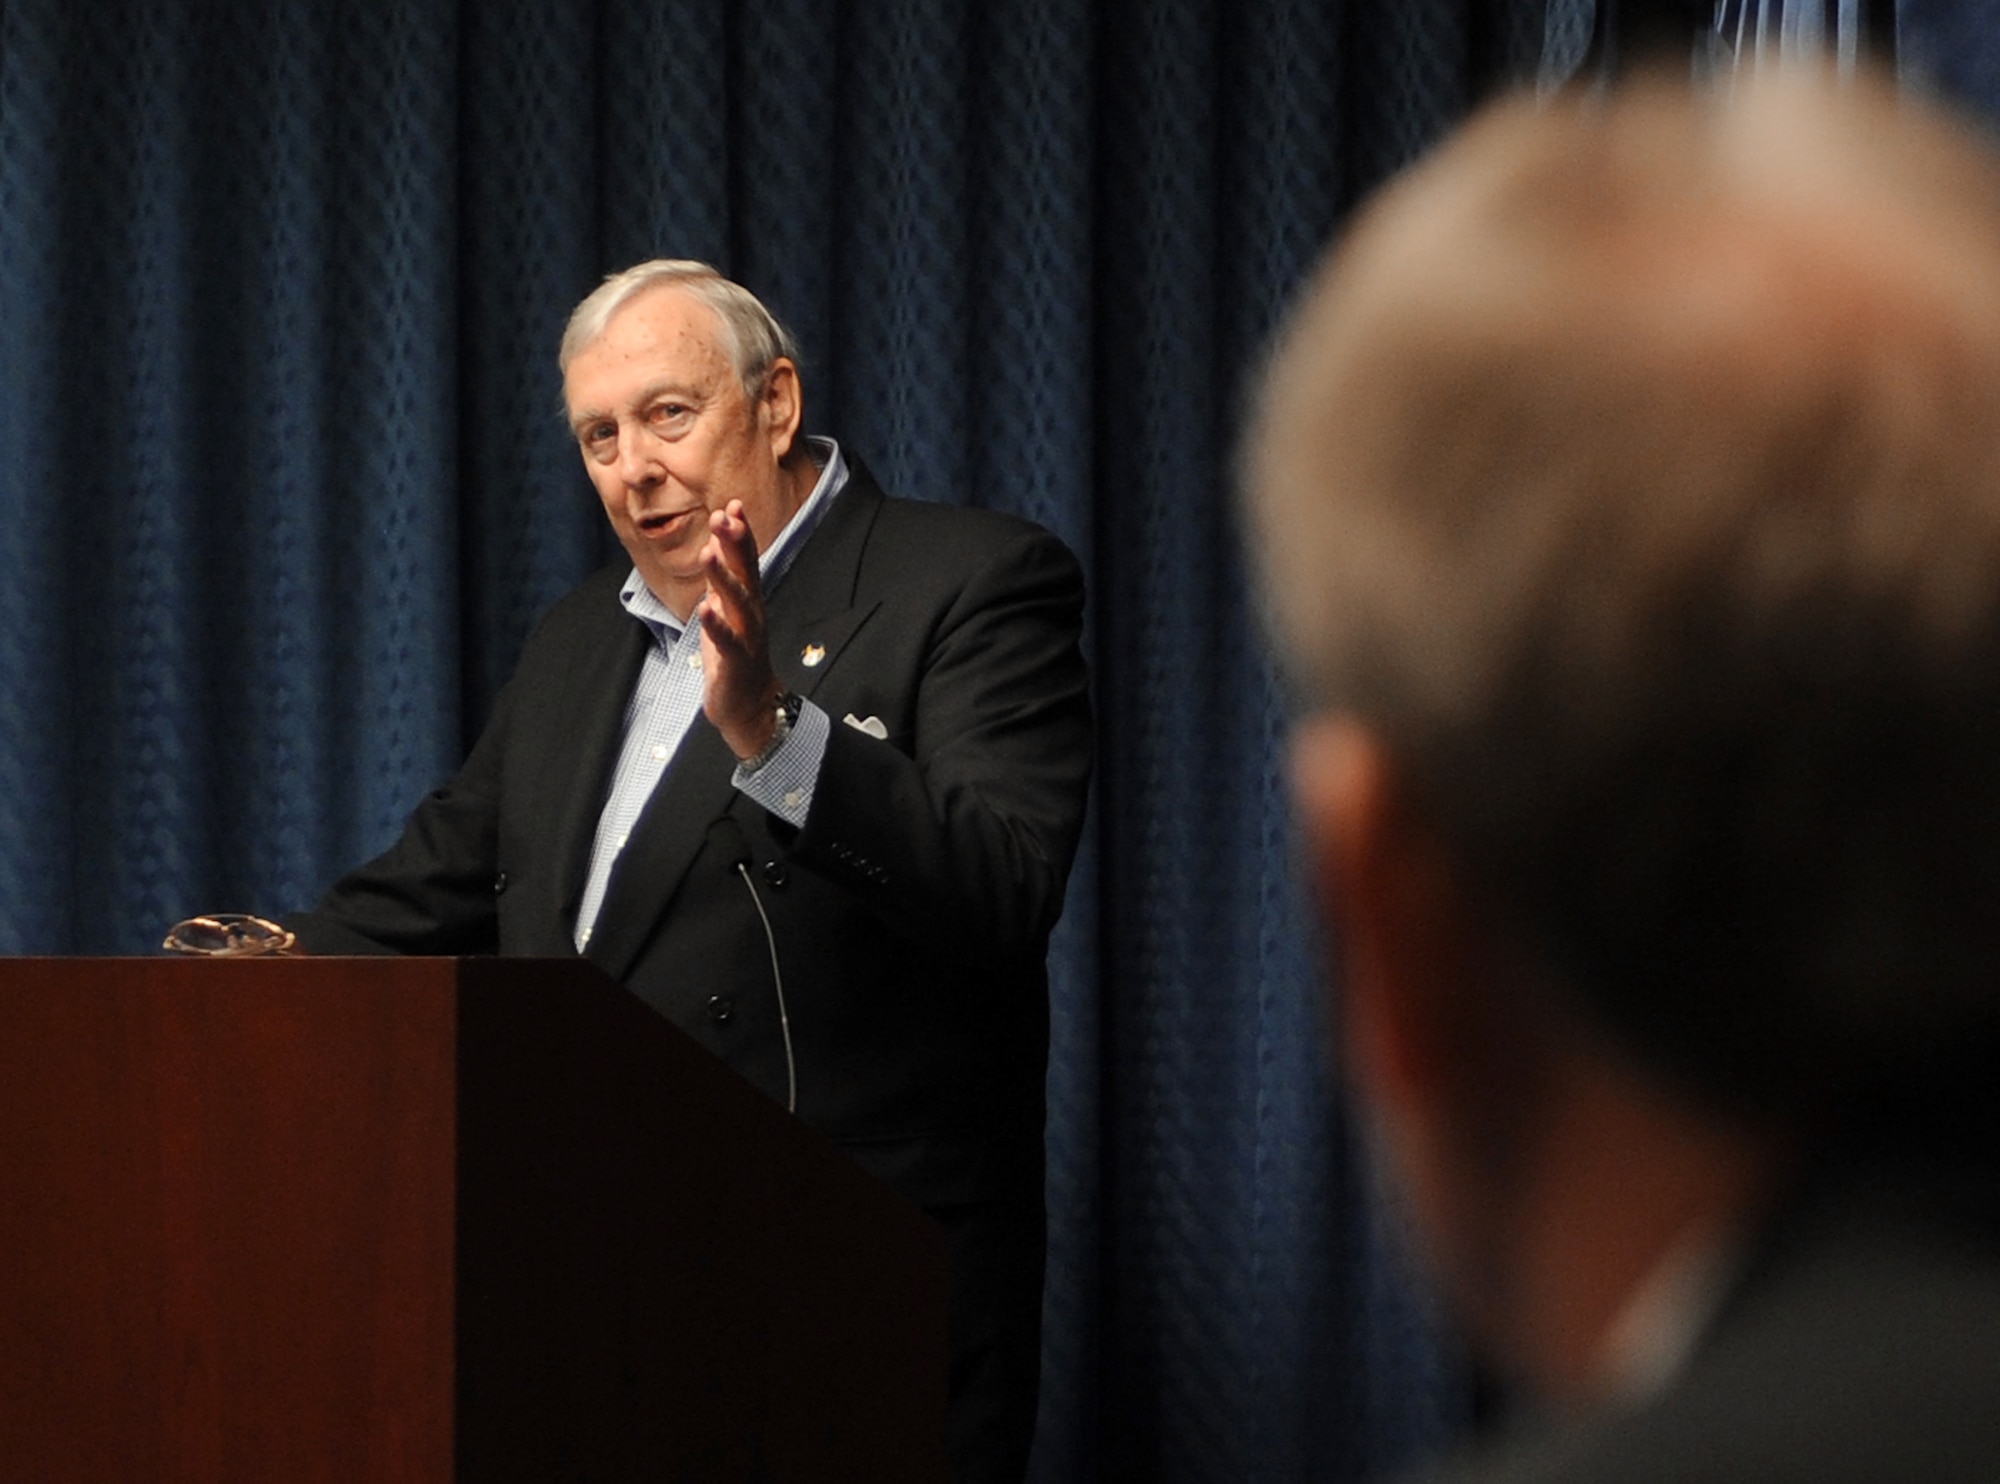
1630, 474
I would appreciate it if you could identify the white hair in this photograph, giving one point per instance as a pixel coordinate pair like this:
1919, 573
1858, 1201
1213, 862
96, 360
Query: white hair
751, 334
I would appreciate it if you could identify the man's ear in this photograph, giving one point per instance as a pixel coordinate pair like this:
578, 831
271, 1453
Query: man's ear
782, 406
1395, 917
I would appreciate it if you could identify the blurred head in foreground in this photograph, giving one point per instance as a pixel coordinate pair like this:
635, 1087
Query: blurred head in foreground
1626, 492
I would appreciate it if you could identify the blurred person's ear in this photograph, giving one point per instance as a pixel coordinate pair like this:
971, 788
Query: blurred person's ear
1430, 1052
1385, 890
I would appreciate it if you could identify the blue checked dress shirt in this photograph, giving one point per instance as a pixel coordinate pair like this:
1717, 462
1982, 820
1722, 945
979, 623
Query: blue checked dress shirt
667, 699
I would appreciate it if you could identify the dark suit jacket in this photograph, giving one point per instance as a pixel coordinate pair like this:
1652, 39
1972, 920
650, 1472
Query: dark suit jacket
910, 915
1862, 1343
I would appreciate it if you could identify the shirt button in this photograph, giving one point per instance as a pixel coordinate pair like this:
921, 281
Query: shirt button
694, 662
660, 753
720, 1008
793, 798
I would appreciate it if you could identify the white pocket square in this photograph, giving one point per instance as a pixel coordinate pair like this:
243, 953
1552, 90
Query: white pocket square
872, 726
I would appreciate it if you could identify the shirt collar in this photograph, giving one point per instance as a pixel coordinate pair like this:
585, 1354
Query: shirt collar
772, 563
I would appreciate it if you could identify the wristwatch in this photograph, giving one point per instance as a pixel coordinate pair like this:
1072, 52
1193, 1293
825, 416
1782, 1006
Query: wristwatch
787, 706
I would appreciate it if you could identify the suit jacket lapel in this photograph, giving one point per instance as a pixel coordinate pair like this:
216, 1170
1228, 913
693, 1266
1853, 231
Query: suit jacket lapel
814, 609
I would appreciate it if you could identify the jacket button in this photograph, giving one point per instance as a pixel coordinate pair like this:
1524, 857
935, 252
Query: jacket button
720, 1008
775, 873
499, 883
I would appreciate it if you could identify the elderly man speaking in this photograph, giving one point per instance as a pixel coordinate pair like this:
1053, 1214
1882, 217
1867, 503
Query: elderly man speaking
807, 777
1628, 495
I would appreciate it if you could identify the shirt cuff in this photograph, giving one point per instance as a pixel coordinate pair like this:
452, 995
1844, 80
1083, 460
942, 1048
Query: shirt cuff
784, 784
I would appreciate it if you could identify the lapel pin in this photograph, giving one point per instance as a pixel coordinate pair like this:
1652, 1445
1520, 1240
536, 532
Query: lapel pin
813, 654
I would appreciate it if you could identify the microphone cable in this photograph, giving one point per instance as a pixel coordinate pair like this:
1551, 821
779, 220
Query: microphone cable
777, 979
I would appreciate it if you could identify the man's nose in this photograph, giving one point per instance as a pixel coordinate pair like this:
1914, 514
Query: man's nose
637, 465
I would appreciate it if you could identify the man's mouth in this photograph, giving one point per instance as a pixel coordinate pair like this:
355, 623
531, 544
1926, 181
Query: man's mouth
665, 523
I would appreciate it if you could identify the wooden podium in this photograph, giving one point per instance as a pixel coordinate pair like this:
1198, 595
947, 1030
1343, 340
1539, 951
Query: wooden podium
432, 1219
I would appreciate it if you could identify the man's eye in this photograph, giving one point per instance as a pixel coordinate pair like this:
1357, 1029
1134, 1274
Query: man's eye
600, 440
665, 412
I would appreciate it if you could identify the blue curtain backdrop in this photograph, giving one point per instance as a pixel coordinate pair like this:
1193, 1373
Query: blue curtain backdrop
283, 485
